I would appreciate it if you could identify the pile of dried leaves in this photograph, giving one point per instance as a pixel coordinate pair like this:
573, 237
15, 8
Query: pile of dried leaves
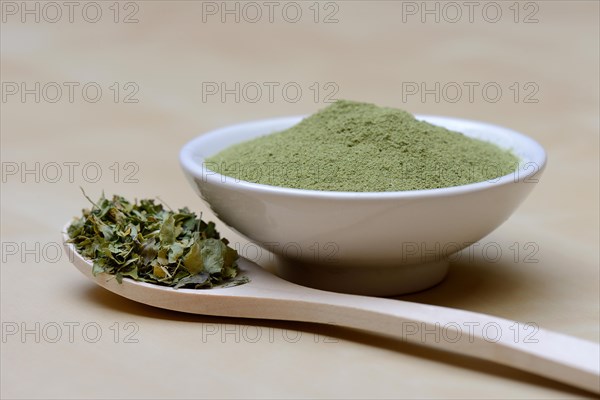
147, 243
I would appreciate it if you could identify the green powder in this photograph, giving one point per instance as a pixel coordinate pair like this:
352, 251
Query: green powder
359, 147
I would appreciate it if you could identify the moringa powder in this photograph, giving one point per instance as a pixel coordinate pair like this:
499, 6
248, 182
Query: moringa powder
359, 147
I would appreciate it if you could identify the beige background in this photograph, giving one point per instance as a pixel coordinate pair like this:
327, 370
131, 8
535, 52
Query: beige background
368, 54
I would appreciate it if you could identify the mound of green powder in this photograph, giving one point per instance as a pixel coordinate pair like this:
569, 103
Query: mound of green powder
359, 147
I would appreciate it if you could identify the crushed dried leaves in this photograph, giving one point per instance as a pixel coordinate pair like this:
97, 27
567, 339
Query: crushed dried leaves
148, 243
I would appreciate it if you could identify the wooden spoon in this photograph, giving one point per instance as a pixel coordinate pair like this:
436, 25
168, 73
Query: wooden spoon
552, 355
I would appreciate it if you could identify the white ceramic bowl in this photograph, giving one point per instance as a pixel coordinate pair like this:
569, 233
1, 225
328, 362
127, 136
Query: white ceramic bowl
374, 243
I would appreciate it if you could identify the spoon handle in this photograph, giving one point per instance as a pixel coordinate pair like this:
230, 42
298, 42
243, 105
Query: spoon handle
523, 346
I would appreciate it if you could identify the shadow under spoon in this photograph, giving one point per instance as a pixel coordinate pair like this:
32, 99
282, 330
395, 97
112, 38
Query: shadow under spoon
555, 356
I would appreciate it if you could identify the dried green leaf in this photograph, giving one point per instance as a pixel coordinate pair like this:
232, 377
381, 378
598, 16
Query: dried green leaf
193, 259
194, 281
145, 242
97, 269
212, 255
175, 252
167, 231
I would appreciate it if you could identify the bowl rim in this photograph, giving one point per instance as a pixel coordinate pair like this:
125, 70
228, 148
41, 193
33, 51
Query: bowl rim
192, 164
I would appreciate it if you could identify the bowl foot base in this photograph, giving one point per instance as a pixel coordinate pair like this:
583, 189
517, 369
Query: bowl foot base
369, 280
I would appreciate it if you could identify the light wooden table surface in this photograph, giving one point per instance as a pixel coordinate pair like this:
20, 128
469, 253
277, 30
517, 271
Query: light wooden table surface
106, 105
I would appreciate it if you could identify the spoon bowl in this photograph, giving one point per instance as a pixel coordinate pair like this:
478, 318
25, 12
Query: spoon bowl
372, 243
